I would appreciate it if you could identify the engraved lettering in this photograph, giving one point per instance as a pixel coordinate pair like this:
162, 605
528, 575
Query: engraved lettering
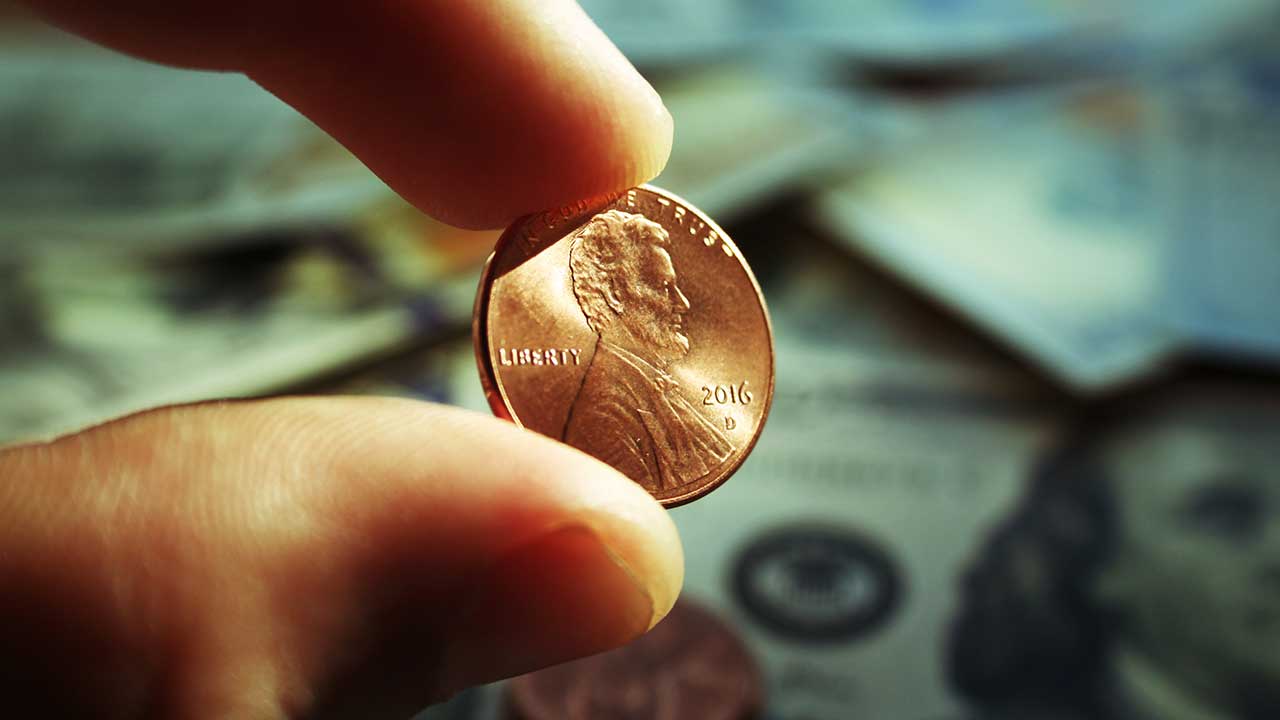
679, 215
539, 356
631, 198
730, 423
710, 239
727, 394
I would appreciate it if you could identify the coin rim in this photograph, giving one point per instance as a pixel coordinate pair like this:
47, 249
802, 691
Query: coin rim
493, 387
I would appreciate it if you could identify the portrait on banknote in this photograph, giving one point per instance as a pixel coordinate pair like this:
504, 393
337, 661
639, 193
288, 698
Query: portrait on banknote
1139, 574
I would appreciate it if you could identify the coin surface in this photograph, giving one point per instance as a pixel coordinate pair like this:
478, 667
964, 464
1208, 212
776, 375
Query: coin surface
691, 666
631, 328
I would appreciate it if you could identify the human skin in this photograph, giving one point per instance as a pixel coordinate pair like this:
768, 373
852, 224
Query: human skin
333, 557
475, 112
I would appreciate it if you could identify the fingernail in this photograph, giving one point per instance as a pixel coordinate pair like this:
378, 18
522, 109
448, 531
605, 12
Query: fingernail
561, 596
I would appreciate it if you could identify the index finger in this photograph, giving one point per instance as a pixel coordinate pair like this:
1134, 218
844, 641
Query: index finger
475, 112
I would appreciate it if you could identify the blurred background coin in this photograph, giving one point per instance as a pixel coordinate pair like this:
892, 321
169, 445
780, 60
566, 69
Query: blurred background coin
691, 666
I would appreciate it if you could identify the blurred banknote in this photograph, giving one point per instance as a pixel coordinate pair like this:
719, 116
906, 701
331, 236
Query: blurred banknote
87, 339
937, 559
1084, 36
1045, 226
101, 147
1225, 281
918, 32
740, 140
1101, 232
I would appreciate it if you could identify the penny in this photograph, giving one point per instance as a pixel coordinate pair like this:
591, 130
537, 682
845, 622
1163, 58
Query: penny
631, 328
690, 666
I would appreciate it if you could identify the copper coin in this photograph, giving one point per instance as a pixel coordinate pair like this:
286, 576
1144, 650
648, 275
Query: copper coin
691, 666
631, 328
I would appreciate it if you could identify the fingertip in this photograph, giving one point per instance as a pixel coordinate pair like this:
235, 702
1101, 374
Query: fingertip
641, 538
561, 596
633, 528
475, 113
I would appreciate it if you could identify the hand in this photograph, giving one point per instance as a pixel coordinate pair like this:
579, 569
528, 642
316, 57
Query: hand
331, 557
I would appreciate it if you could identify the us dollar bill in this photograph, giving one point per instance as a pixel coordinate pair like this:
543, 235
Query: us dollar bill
1082, 37
1225, 278
87, 339
1106, 232
720, 109
1044, 224
101, 148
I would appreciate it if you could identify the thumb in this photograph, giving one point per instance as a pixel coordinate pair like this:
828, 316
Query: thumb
312, 558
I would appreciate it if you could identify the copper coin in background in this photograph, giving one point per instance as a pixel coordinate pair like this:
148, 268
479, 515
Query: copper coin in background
629, 327
691, 666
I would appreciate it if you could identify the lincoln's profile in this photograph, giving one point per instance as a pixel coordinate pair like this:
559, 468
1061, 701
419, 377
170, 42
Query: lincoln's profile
630, 412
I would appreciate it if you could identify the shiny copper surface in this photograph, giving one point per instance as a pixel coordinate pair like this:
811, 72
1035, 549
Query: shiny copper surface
631, 328
691, 666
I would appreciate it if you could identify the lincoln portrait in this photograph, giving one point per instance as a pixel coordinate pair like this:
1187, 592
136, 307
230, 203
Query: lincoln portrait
629, 411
